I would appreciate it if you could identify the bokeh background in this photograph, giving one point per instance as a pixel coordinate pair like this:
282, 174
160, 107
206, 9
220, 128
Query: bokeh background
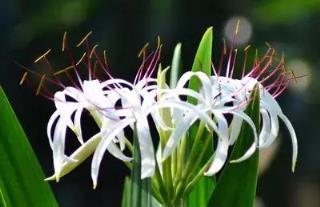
28, 28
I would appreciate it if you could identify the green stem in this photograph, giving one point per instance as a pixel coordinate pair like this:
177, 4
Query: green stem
196, 178
191, 161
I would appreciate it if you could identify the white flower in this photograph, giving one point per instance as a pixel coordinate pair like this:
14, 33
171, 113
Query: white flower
92, 98
211, 102
270, 112
135, 102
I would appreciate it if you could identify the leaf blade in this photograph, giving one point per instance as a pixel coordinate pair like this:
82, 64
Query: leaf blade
18, 164
236, 187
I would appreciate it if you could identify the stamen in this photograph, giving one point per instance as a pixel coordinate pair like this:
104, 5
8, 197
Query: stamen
104, 67
234, 62
84, 39
237, 27
24, 76
214, 70
268, 45
81, 59
246, 49
224, 52
105, 57
158, 42
143, 50
42, 56
63, 70
64, 41
153, 62
40, 84
93, 50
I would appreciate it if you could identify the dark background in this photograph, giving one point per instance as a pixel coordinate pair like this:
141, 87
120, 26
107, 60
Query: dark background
28, 28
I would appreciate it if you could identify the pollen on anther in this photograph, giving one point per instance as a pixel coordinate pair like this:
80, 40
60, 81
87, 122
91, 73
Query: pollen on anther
42, 56
63, 70
93, 50
143, 50
24, 76
247, 48
40, 84
81, 59
64, 41
105, 57
84, 39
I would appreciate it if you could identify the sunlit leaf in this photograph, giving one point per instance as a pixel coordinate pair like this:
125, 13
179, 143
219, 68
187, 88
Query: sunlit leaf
175, 66
202, 62
140, 189
201, 193
236, 187
21, 178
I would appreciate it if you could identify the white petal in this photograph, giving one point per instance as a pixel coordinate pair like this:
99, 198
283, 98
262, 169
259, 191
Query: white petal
77, 124
293, 139
177, 134
81, 154
51, 121
58, 147
274, 130
235, 127
221, 152
107, 137
146, 147
266, 127
116, 152
254, 145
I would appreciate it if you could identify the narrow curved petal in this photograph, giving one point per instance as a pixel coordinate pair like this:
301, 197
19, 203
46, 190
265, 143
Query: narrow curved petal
235, 128
77, 125
266, 127
146, 147
177, 134
59, 147
107, 136
293, 139
51, 121
116, 152
221, 152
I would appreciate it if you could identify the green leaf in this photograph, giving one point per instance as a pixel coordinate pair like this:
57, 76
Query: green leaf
126, 194
237, 184
202, 60
140, 189
201, 193
21, 178
175, 66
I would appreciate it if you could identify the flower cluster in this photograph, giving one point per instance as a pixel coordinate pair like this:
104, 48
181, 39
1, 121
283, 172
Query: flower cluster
118, 106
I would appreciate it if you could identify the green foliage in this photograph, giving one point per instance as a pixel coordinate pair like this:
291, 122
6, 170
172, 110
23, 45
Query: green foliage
176, 66
201, 193
140, 189
236, 187
202, 62
21, 178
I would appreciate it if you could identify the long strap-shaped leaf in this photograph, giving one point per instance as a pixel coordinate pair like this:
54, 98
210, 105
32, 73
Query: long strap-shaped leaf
140, 189
237, 184
21, 178
202, 62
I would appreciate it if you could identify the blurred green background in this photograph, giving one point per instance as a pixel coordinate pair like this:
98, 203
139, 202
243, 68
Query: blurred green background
28, 28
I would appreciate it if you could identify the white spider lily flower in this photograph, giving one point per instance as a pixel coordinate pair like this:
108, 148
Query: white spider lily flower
272, 80
270, 113
92, 98
135, 99
211, 103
